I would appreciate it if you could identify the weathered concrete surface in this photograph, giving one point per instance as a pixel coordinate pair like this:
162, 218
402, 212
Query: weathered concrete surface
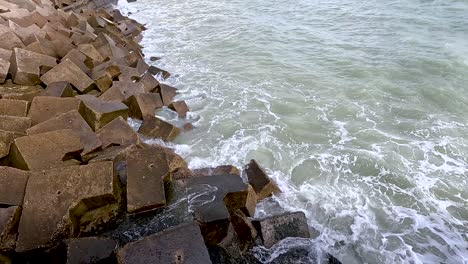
6, 140
14, 123
157, 128
275, 228
90, 250
167, 93
98, 113
9, 217
56, 199
180, 244
262, 184
143, 104
146, 170
12, 185
70, 72
26, 66
13, 107
45, 150
46, 107
117, 132
180, 107
59, 89
70, 120
19, 92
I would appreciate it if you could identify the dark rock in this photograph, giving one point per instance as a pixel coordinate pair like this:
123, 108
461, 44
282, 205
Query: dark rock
220, 170
153, 58
90, 250
180, 244
6, 140
262, 184
276, 228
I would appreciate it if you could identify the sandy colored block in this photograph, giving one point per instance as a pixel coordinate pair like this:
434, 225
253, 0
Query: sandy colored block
68, 71
12, 185
146, 170
5, 54
47, 107
70, 120
143, 104
6, 140
78, 59
19, 92
157, 128
112, 94
98, 113
13, 107
91, 52
149, 82
9, 217
45, 150
128, 88
10, 41
26, 66
4, 68
56, 200
117, 132
167, 93
59, 89
14, 123
180, 107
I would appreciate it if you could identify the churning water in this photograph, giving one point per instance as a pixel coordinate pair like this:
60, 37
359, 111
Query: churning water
358, 108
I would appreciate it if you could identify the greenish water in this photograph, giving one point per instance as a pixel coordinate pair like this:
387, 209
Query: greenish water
359, 109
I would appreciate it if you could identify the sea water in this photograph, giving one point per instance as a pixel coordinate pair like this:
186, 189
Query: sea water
358, 109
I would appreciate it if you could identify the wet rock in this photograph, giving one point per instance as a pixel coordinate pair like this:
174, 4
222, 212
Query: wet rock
167, 93
220, 170
157, 128
207, 202
14, 123
59, 89
12, 185
146, 171
180, 244
45, 150
154, 58
9, 217
6, 140
46, 107
98, 113
245, 200
13, 107
180, 107
56, 200
157, 71
26, 66
187, 127
143, 104
70, 120
68, 71
182, 173
117, 132
278, 227
90, 250
262, 184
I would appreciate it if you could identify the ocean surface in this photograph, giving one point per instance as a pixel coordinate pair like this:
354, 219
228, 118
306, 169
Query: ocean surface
359, 109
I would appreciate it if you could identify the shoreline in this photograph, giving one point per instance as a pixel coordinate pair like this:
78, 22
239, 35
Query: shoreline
78, 184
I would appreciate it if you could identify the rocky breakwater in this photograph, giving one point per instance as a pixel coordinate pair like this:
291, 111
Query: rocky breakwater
78, 184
